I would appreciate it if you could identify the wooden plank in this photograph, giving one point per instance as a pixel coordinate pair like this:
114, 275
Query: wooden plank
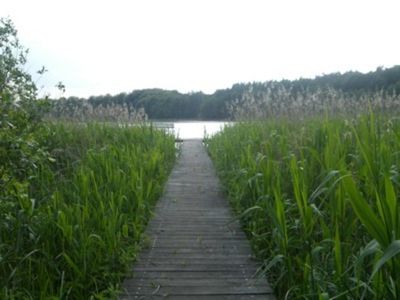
195, 247
200, 290
197, 297
183, 275
204, 281
198, 233
195, 256
143, 267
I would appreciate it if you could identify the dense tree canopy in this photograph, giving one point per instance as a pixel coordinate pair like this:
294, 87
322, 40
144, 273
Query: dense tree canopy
165, 104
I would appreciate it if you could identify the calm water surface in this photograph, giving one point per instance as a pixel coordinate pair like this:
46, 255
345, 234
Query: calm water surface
194, 129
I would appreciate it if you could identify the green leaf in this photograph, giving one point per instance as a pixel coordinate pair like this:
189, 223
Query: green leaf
125, 230
391, 201
371, 248
364, 212
71, 263
389, 253
246, 212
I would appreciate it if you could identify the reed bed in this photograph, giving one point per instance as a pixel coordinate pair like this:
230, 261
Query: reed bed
72, 230
83, 111
278, 99
318, 199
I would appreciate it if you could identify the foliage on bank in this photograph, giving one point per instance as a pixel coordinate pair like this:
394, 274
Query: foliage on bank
74, 199
332, 91
318, 199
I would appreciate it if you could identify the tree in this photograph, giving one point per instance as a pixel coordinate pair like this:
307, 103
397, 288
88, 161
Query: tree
21, 151
20, 126
16, 85
18, 107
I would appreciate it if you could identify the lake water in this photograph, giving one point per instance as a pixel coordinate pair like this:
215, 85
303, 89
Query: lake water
193, 129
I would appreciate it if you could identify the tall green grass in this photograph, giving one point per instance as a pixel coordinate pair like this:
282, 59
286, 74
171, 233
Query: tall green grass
76, 226
319, 201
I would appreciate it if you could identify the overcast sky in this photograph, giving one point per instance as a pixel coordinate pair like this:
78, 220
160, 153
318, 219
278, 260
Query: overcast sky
99, 47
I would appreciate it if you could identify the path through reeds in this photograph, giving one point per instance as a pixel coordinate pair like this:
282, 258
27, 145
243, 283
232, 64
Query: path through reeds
195, 248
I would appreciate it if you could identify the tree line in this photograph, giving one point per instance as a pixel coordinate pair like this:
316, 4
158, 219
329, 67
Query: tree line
171, 104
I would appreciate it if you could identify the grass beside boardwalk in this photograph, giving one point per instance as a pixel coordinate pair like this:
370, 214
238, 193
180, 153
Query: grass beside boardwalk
72, 230
319, 201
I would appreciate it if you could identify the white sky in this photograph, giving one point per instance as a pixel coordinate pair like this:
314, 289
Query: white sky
99, 47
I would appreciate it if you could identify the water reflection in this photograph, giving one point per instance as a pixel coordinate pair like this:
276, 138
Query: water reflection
193, 129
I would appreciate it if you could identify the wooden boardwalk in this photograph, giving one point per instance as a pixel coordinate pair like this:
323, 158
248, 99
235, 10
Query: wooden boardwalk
196, 249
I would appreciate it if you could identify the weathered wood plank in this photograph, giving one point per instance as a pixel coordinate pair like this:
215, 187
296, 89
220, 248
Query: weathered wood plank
194, 257
182, 275
237, 249
188, 266
223, 289
197, 297
195, 247
184, 282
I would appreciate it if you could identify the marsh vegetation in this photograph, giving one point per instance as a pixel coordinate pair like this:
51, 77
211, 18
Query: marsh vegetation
74, 198
312, 168
318, 198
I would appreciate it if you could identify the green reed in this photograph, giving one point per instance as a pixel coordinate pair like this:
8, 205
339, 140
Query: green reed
319, 201
76, 227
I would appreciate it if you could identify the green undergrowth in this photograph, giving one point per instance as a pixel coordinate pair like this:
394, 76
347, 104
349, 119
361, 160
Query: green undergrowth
319, 200
72, 228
